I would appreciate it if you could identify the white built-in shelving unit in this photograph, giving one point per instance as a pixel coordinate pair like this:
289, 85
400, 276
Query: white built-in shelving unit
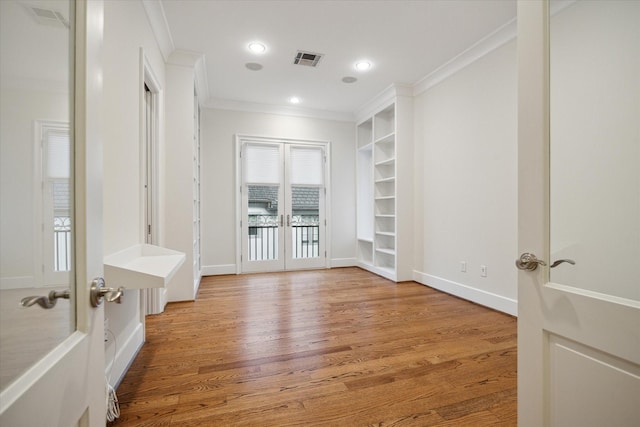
384, 188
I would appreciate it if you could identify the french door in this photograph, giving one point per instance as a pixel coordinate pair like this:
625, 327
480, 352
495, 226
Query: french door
282, 206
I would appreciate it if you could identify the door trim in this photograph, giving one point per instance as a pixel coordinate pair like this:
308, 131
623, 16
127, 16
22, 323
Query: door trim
243, 138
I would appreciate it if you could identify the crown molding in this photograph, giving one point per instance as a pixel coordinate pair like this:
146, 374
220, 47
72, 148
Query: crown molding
487, 44
196, 61
383, 99
252, 107
159, 26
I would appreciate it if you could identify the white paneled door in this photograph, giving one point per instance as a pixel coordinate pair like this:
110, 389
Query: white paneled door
283, 197
65, 384
579, 213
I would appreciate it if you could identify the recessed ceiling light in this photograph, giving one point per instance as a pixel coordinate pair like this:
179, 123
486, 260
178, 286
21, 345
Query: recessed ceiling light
363, 65
256, 47
253, 66
349, 79
294, 100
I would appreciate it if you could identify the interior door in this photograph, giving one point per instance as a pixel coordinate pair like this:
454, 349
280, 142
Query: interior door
579, 214
65, 386
282, 196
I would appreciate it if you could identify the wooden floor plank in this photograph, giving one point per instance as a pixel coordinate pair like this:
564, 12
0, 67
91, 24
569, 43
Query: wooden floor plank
340, 347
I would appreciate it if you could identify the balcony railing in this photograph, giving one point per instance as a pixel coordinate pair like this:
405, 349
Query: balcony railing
62, 243
263, 237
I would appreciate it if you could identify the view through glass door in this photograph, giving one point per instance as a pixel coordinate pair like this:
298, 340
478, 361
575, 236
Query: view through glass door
283, 206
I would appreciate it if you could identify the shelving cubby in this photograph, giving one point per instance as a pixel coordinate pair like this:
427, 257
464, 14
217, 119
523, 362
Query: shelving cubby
365, 192
384, 213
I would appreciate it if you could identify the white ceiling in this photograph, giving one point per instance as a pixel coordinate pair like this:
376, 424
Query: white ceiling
405, 41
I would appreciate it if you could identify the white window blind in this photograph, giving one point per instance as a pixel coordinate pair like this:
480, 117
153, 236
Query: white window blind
306, 166
261, 163
58, 154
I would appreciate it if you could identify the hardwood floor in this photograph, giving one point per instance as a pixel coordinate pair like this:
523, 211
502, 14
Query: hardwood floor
339, 347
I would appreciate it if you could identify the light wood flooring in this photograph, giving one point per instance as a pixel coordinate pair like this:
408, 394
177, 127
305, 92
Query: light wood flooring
339, 347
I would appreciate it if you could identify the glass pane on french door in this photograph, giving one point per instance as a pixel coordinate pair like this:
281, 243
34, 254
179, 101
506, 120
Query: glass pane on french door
305, 222
262, 222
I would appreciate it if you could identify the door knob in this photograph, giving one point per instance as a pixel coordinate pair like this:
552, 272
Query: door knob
99, 292
528, 261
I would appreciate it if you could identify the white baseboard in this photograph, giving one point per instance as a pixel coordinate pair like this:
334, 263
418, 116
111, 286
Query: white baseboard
488, 299
18, 282
127, 349
343, 262
216, 270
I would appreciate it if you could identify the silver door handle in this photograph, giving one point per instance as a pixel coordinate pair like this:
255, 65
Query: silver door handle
528, 261
281, 220
99, 292
560, 261
48, 301
288, 221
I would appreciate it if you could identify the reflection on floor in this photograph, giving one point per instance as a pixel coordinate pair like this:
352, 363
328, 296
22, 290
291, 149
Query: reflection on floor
28, 334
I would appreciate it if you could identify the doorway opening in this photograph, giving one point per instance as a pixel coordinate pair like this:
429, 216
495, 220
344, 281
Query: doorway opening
153, 300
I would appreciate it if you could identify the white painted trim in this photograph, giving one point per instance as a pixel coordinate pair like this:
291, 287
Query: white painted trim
482, 47
382, 100
196, 61
148, 77
196, 285
126, 352
217, 270
478, 296
159, 26
343, 262
202, 81
240, 139
185, 58
387, 274
254, 107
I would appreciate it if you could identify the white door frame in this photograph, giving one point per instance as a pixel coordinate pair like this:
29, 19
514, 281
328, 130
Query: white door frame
553, 316
152, 301
240, 139
67, 386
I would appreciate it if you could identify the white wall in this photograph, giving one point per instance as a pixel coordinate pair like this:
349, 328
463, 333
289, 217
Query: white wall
218, 179
126, 31
466, 181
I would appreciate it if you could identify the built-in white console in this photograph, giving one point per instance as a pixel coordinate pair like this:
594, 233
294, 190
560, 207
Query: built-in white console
142, 266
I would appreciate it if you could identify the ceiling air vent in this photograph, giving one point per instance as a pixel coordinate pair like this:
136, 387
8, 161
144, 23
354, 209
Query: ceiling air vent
307, 58
48, 16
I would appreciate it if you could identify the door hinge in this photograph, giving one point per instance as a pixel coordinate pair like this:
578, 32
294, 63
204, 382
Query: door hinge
325, 222
149, 229
325, 191
325, 254
241, 225
240, 257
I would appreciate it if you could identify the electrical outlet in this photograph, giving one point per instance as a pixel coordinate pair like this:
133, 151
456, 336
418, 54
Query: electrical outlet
106, 328
463, 266
483, 270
